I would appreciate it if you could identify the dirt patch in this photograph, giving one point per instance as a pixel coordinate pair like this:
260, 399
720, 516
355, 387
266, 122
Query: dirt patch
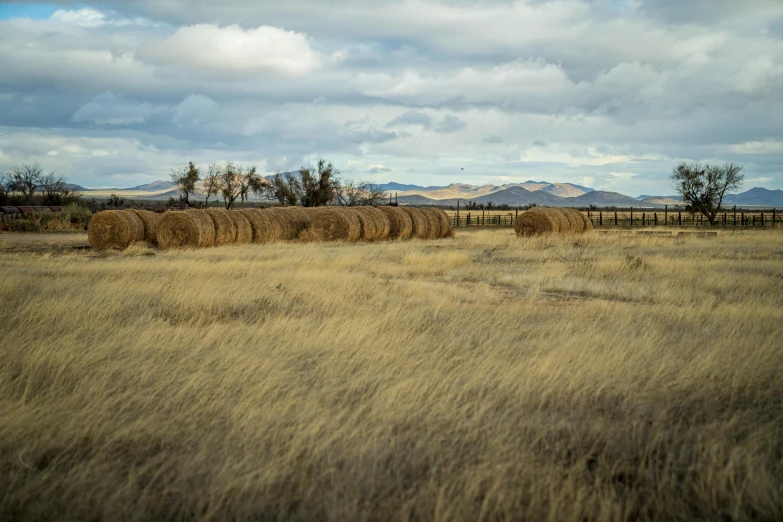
41, 243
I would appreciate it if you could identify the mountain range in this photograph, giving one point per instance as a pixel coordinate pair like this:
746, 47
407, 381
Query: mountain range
512, 194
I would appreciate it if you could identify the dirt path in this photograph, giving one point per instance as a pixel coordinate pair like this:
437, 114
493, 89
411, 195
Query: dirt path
43, 242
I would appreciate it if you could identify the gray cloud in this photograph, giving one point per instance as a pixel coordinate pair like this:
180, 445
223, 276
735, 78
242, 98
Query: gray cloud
618, 90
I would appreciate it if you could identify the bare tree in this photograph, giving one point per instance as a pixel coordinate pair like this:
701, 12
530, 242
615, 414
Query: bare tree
354, 193
250, 181
703, 186
185, 179
52, 187
211, 182
25, 179
230, 186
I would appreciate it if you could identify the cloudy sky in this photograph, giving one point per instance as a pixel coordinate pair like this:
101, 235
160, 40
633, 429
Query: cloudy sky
606, 93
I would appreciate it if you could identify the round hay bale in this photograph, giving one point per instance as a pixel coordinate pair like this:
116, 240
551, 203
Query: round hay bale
433, 224
299, 217
225, 230
266, 227
421, 227
288, 221
375, 224
559, 219
244, 231
182, 229
114, 229
150, 221
588, 224
537, 221
400, 224
333, 224
444, 223
576, 225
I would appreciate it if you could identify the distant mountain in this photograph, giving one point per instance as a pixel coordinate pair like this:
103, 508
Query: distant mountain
74, 187
400, 187
563, 190
757, 196
519, 196
604, 199
155, 186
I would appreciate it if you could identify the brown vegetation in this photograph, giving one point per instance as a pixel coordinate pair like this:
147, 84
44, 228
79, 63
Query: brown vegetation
150, 221
191, 228
375, 225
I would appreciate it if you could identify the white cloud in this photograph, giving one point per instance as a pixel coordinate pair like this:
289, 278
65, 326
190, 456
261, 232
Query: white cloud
212, 50
86, 17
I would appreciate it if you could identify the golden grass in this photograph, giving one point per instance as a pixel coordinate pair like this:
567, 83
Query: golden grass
483, 377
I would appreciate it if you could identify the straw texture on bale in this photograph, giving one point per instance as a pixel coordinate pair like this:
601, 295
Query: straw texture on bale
400, 224
225, 230
587, 223
444, 224
576, 225
289, 226
299, 217
150, 221
559, 217
332, 224
433, 225
421, 227
242, 227
551, 221
375, 224
190, 228
266, 227
537, 221
114, 229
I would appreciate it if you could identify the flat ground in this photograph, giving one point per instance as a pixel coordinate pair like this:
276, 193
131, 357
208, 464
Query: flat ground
48, 242
482, 377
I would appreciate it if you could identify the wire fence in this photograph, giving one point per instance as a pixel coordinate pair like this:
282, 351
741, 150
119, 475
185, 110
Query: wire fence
733, 218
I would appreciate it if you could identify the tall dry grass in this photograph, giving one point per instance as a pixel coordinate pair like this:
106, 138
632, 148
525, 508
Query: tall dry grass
482, 377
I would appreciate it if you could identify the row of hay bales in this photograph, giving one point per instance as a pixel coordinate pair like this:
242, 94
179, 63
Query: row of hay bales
538, 221
213, 227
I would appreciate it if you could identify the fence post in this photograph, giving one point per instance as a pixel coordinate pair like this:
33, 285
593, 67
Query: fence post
631, 216
615, 218
774, 212
666, 214
762, 219
483, 222
724, 220
679, 218
457, 212
600, 218
656, 218
735, 215
643, 214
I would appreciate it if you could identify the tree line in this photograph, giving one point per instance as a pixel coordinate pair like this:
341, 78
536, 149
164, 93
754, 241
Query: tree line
30, 185
313, 186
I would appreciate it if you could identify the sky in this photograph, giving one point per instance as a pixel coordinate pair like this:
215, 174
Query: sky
605, 93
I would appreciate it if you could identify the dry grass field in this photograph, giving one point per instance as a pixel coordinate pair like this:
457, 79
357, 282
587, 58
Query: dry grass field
482, 377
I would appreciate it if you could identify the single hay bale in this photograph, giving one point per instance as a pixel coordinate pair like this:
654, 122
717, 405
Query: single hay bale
587, 222
537, 221
225, 230
421, 227
266, 227
244, 231
150, 221
433, 224
559, 218
299, 217
576, 225
444, 223
288, 222
332, 224
186, 229
114, 229
400, 224
375, 224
